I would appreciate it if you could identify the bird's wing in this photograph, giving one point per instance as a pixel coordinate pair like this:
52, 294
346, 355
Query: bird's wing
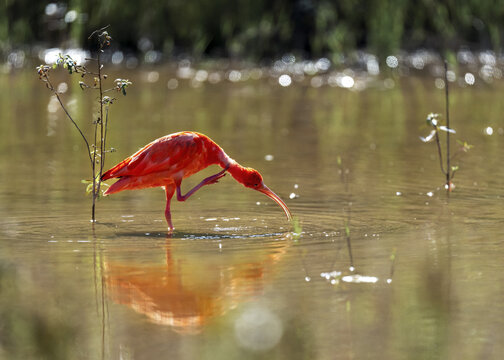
171, 153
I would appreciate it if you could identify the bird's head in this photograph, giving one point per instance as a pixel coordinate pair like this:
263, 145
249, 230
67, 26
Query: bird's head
252, 179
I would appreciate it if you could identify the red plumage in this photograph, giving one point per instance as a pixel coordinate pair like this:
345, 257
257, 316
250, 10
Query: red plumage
165, 162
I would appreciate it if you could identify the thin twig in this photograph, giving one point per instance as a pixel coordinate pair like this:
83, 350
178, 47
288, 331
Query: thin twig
99, 125
94, 175
96, 151
95, 185
440, 152
448, 171
104, 142
100, 85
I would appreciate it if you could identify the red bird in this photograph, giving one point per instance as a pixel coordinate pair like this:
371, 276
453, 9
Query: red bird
165, 162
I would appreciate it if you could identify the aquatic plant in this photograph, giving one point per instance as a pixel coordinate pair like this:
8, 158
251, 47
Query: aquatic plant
297, 229
434, 122
91, 79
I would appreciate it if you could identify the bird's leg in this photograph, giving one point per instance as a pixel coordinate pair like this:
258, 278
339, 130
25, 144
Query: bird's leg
207, 181
169, 190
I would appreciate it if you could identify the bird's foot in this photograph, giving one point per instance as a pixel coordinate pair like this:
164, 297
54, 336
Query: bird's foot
215, 178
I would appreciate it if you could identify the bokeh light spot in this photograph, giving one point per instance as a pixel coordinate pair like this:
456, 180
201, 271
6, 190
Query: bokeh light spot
70, 16
392, 61
234, 76
439, 83
469, 79
284, 80
347, 82
258, 329
172, 84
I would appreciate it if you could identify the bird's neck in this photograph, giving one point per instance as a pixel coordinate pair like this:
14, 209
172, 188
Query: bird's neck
224, 161
236, 170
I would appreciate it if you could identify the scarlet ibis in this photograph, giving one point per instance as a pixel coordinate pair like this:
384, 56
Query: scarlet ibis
165, 162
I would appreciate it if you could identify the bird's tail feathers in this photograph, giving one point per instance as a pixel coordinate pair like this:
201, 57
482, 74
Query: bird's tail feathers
119, 185
106, 176
116, 170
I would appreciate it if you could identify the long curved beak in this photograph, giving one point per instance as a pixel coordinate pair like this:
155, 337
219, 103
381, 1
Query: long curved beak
266, 191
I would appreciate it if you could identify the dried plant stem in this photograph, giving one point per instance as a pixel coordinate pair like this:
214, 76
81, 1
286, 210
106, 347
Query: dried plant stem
95, 188
104, 141
440, 153
447, 96
100, 130
98, 125
96, 151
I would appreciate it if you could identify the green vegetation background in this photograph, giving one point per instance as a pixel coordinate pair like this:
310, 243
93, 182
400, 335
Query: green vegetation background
260, 29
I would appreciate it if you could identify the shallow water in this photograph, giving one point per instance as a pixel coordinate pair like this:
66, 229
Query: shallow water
419, 275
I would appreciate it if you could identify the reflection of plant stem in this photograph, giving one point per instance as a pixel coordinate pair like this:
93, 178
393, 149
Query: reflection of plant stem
296, 236
392, 264
348, 308
99, 272
307, 275
103, 309
95, 266
348, 239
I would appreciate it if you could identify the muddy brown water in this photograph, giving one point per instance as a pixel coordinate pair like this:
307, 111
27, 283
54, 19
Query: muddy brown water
236, 280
